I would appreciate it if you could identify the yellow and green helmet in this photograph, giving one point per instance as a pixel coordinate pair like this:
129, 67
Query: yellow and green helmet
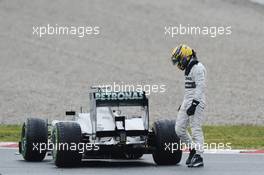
181, 55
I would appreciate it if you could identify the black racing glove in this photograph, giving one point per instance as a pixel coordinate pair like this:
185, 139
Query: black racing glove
191, 109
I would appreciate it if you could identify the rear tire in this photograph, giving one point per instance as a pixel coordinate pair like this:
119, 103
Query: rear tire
66, 133
34, 133
164, 133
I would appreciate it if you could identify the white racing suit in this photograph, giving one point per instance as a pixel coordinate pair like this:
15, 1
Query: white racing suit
195, 75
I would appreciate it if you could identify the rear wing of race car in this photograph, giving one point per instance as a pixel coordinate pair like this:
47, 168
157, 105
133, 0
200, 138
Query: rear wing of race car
120, 99
103, 97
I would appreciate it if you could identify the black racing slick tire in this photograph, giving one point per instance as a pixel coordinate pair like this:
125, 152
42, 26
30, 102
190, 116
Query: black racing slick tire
64, 136
34, 138
164, 138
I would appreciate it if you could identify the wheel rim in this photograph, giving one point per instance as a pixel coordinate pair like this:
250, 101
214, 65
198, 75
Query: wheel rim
23, 140
55, 143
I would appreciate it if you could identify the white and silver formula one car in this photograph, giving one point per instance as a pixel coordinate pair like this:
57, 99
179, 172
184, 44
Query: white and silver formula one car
117, 127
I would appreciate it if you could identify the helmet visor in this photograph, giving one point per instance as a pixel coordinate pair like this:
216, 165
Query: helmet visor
175, 59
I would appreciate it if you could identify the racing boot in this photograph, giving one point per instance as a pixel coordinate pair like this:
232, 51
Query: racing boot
197, 161
191, 154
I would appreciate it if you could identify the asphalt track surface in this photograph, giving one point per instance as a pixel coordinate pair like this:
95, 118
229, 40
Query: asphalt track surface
235, 164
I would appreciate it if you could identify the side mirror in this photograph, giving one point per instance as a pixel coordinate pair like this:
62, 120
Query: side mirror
70, 112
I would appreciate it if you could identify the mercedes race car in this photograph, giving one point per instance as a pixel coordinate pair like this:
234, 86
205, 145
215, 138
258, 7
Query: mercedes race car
117, 127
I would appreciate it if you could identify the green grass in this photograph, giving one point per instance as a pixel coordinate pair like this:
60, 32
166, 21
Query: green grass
10, 133
240, 136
